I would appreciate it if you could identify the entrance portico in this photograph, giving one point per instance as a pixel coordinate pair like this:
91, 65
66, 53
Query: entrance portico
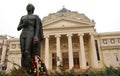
70, 39
69, 49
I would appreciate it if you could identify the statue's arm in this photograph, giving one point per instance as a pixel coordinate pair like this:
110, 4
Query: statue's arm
36, 27
20, 26
41, 30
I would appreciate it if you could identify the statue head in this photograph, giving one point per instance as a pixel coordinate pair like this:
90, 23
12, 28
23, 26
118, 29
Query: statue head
30, 8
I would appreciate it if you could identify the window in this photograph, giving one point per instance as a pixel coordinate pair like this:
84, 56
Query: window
87, 63
76, 60
65, 60
75, 54
54, 62
117, 59
97, 50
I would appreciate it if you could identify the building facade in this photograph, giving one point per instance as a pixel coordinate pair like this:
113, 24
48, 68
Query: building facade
72, 41
3, 52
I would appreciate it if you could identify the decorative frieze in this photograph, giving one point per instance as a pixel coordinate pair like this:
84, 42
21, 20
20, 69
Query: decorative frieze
13, 46
75, 45
105, 41
109, 41
112, 41
118, 40
64, 45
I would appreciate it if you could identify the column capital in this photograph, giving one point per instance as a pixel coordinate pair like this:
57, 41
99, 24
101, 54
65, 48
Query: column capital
69, 35
92, 33
46, 36
80, 34
57, 35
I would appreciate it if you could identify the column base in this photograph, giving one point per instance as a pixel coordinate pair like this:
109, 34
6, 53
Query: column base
83, 67
95, 66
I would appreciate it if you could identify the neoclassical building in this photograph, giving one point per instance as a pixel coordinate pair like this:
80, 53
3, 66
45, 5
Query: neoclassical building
70, 40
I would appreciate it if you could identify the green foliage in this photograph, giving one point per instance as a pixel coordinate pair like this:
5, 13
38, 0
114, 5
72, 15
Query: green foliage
109, 71
63, 72
2, 73
14, 72
30, 71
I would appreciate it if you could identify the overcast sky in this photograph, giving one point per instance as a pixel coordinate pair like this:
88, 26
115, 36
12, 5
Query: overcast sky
106, 13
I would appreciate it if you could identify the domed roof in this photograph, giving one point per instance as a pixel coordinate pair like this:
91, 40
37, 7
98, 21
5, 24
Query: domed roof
63, 10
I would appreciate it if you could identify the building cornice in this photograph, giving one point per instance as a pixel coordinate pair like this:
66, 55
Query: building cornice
13, 39
56, 28
10, 52
110, 47
103, 34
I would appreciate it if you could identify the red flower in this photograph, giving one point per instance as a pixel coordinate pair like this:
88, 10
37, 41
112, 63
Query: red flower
18, 74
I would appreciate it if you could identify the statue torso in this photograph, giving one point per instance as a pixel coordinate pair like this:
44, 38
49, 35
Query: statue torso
29, 28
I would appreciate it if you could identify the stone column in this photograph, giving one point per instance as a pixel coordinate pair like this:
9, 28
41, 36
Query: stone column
4, 52
93, 54
82, 52
70, 52
47, 51
58, 53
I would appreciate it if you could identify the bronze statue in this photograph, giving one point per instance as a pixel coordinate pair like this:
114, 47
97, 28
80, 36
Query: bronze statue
31, 35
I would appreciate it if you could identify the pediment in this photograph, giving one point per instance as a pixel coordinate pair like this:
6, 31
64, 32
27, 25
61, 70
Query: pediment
64, 23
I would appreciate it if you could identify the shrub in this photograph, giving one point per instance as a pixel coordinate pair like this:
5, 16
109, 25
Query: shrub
109, 71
